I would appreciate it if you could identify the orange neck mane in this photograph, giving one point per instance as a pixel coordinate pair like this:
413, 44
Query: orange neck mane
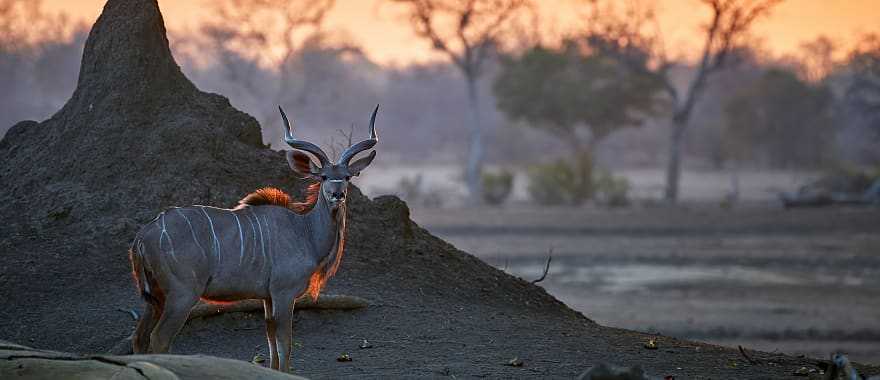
273, 196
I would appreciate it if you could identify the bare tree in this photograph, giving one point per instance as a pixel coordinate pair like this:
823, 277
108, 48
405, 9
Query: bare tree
15, 17
270, 33
40, 53
24, 24
466, 31
731, 20
817, 58
726, 31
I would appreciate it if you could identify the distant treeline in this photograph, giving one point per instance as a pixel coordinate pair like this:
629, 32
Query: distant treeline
809, 110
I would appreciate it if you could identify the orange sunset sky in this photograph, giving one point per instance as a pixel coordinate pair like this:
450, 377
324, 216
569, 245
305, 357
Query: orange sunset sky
382, 28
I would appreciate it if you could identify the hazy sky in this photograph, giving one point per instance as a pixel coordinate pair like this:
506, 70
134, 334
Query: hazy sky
383, 31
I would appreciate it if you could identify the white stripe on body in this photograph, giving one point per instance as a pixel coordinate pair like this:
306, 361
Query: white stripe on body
267, 234
262, 242
193, 231
213, 233
165, 234
240, 238
254, 234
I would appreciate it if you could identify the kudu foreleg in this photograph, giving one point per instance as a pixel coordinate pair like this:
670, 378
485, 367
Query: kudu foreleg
282, 311
270, 333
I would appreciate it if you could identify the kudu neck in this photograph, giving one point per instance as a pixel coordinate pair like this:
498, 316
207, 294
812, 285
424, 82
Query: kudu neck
323, 213
326, 222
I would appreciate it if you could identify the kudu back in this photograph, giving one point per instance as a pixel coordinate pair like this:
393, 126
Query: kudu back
268, 248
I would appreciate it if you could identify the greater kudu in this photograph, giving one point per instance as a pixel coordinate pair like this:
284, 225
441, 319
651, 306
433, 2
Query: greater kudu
267, 248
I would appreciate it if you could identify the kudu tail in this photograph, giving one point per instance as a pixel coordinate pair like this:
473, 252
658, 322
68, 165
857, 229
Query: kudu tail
146, 285
149, 290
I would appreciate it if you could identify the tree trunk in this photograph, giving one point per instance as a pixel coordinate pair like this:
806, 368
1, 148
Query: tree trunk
734, 185
673, 165
474, 168
585, 160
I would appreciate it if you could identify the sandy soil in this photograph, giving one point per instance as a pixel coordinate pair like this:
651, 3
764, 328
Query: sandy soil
798, 281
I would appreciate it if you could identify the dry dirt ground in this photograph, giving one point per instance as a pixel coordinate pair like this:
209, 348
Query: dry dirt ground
803, 281
435, 311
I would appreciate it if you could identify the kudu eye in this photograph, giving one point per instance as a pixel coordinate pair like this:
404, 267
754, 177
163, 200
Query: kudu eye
323, 177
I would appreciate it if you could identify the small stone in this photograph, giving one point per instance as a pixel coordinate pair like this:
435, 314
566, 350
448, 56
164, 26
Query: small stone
651, 344
515, 362
258, 359
366, 344
344, 358
803, 371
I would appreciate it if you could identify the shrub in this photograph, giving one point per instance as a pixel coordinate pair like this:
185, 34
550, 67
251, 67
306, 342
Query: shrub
414, 191
614, 190
410, 188
497, 186
561, 182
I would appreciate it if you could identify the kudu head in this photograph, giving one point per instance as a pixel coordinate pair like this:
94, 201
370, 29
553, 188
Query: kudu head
334, 177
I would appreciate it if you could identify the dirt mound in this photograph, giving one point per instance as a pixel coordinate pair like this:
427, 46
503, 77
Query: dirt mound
137, 137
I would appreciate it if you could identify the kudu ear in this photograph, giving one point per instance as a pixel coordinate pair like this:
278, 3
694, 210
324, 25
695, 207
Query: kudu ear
302, 164
355, 167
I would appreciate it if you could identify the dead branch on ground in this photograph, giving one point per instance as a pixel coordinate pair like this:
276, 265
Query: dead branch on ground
546, 267
746, 355
326, 302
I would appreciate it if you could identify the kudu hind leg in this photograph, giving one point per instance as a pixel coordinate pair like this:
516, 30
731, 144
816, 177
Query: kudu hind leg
177, 308
141, 340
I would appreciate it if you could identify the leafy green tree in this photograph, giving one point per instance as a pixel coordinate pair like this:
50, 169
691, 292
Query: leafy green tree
579, 95
782, 121
863, 91
574, 88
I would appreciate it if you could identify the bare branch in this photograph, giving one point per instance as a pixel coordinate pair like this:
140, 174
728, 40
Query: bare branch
490, 32
730, 20
474, 28
248, 34
546, 267
748, 358
421, 18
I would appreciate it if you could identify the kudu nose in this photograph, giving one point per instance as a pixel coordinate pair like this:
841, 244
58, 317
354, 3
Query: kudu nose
338, 196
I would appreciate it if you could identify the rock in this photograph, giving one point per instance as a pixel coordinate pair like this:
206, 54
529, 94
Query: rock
606, 371
24, 362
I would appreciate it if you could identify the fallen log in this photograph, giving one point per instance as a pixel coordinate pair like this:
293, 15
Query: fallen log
324, 302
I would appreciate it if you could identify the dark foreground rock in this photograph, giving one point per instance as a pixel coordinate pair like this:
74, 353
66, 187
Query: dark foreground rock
137, 137
23, 362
